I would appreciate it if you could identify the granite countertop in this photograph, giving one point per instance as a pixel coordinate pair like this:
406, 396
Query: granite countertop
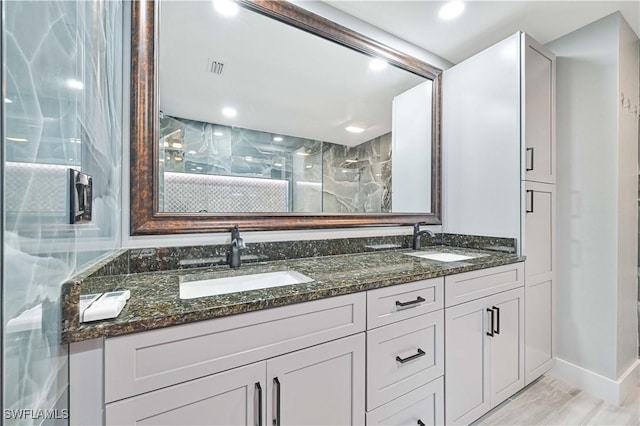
155, 301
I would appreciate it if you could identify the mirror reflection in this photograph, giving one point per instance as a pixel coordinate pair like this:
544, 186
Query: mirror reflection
258, 116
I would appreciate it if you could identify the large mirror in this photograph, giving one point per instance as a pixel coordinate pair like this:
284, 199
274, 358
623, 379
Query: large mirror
261, 114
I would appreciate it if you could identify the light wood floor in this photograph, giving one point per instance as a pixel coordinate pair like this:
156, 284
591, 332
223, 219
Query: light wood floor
549, 401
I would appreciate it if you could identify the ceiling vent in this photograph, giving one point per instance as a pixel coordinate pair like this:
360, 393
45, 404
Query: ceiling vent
215, 67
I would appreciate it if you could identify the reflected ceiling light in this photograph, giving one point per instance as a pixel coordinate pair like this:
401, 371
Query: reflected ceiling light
217, 133
72, 83
377, 64
248, 158
198, 168
350, 161
226, 7
166, 144
17, 139
354, 129
309, 166
176, 145
451, 10
278, 139
229, 112
304, 154
191, 152
277, 164
177, 158
8, 101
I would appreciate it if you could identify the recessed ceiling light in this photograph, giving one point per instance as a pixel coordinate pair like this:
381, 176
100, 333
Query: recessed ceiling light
218, 134
17, 139
72, 83
278, 139
226, 7
354, 129
451, 10
8, 101
229, 112
377, 64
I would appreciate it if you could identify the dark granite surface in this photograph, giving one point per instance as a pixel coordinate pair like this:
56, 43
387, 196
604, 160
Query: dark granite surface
155, 301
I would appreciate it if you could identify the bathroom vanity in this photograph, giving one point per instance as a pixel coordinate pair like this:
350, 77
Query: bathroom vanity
364, 342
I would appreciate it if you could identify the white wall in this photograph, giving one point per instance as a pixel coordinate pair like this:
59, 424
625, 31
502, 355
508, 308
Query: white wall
597, 188
627, 197
250, 237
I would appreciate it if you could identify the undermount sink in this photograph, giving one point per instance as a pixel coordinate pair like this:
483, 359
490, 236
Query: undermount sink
226, 285
441, 257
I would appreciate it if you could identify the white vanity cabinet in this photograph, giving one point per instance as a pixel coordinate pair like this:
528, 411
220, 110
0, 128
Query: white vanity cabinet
484, 346
405, 354
539, 278
297, 364
499, 165
317, 385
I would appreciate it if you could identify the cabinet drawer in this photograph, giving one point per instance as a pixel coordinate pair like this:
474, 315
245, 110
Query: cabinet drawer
403, 356
473, 285
425, 404
392, 304
142, 362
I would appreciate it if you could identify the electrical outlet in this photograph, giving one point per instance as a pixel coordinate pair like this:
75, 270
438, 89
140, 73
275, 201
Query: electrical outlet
80, 197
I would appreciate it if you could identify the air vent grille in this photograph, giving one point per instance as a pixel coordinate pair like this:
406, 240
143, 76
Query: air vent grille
215, 67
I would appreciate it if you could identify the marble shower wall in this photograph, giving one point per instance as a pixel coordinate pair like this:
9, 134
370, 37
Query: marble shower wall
357, 179
62, 63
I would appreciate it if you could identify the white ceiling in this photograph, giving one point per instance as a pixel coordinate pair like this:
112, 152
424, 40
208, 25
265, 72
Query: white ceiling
280, 79
483, 23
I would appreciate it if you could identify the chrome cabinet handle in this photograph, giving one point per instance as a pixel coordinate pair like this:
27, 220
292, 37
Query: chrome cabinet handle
495, 308
527, 168
276, 400
418, 300
492, 312
412, 357
420, 422
258, 415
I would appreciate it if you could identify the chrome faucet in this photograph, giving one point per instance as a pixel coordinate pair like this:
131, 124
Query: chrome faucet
237, 245
417, 233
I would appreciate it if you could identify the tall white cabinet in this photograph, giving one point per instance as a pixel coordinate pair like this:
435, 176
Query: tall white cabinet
498, 133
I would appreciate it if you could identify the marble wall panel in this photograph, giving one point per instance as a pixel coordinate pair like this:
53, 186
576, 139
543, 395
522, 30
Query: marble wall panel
63, 108
357, 179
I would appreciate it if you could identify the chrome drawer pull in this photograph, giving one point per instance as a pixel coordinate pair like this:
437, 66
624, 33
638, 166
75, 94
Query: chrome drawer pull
412, 357
418, 300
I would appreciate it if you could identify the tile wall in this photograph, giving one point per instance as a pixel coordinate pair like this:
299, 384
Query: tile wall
62, 65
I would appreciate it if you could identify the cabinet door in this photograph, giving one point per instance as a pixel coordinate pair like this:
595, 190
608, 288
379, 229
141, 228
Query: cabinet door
506, 345
466, 362
539, 231
234, 397
539, 247
321, 385
539, 111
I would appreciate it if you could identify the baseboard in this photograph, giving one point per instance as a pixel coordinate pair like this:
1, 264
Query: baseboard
613, 391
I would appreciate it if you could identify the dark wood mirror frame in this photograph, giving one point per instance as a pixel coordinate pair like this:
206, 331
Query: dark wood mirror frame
145, 217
